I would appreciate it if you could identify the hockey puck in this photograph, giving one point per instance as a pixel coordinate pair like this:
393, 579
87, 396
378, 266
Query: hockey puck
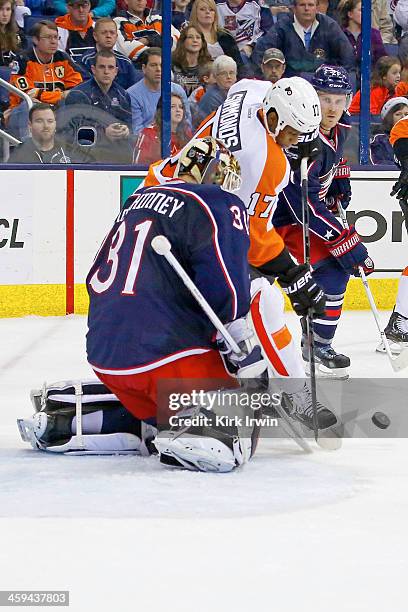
381, 420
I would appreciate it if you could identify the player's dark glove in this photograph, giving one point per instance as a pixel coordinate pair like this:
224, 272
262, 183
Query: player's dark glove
400, 189
339, 193
303, 292
350, 252
308, 146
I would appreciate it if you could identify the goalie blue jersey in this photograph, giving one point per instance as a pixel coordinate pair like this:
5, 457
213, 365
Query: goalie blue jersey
141, 315
326, 183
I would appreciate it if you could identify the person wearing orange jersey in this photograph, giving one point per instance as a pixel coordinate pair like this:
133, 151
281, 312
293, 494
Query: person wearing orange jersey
257, 122
397, 327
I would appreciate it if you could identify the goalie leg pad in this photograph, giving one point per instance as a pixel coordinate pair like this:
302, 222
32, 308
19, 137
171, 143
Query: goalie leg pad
266, 318
105, 426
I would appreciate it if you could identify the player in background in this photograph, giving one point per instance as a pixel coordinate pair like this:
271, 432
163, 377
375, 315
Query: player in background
143, 323
397, 327
335, 252
257, 122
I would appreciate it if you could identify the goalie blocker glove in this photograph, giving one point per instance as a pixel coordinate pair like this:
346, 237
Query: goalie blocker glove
350, 252
303, 292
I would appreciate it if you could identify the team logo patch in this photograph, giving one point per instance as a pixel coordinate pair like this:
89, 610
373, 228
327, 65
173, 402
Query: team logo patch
59, 71
319, 53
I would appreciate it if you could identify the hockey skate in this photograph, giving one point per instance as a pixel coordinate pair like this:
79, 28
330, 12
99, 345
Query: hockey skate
299, 406
397, 334
329, 363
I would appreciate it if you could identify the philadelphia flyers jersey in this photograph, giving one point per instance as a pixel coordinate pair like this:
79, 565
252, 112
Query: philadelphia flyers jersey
238, 122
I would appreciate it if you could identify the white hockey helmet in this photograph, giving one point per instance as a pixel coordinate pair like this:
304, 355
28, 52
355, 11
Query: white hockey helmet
208, 161
295, 102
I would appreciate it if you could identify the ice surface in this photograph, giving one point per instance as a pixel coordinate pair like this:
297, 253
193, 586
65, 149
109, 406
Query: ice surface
289, 532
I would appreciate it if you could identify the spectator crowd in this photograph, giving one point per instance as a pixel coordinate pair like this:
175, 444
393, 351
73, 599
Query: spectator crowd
92, 68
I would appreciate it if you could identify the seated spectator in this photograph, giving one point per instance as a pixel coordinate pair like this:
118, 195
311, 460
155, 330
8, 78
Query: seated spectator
206, 76
190, 53
225, 74
278, 8
307, 39
106, 35
273, 65
145, 94
75, 29
381, 20
180, 13
99, 8
44, 73
381, 151
102, 92
139, 30
219, 42
42, 146
350, 16
245, 20
10, 39
386, 75
401, 21
19, 11
148, 147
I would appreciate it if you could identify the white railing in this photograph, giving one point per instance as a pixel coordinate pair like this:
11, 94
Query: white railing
8, 139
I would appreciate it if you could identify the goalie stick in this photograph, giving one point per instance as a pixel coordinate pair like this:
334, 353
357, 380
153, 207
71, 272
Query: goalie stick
162, 246
397, 363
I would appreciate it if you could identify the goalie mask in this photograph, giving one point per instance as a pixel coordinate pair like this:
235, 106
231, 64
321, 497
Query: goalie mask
209, 162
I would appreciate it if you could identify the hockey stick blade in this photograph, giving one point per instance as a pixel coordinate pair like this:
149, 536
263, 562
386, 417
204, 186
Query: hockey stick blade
292, 431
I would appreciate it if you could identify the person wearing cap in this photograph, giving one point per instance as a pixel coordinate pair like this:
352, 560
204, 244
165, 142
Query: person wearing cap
99, 8
381, 151
75, 29
273, 65
307, 39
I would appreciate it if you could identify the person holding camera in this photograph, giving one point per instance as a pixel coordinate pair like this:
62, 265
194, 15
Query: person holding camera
111, 116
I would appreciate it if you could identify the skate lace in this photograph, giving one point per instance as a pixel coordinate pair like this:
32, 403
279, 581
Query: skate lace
401, 325
302, 402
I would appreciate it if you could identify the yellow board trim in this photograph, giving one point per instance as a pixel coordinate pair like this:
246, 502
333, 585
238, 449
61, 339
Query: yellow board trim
49, 300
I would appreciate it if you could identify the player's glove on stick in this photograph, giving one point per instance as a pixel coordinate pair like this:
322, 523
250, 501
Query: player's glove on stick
303, 292
350, 252
308, 146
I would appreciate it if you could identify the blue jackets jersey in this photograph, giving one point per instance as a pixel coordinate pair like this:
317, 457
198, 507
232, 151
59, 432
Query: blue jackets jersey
322, 221
116, 101
141, 315
127, 73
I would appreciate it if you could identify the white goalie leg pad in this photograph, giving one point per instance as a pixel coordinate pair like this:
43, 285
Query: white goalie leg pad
203, 454
266, 318
33, 428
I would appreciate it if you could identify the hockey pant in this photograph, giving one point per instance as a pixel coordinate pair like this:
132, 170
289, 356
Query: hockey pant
327, 272
333, 279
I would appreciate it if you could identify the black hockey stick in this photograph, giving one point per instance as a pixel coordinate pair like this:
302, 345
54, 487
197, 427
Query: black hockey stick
309, 317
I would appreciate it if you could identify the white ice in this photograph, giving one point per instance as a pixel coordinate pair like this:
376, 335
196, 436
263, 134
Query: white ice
289, 532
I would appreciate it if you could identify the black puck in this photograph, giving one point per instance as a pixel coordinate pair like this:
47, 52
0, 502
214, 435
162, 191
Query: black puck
381, 420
